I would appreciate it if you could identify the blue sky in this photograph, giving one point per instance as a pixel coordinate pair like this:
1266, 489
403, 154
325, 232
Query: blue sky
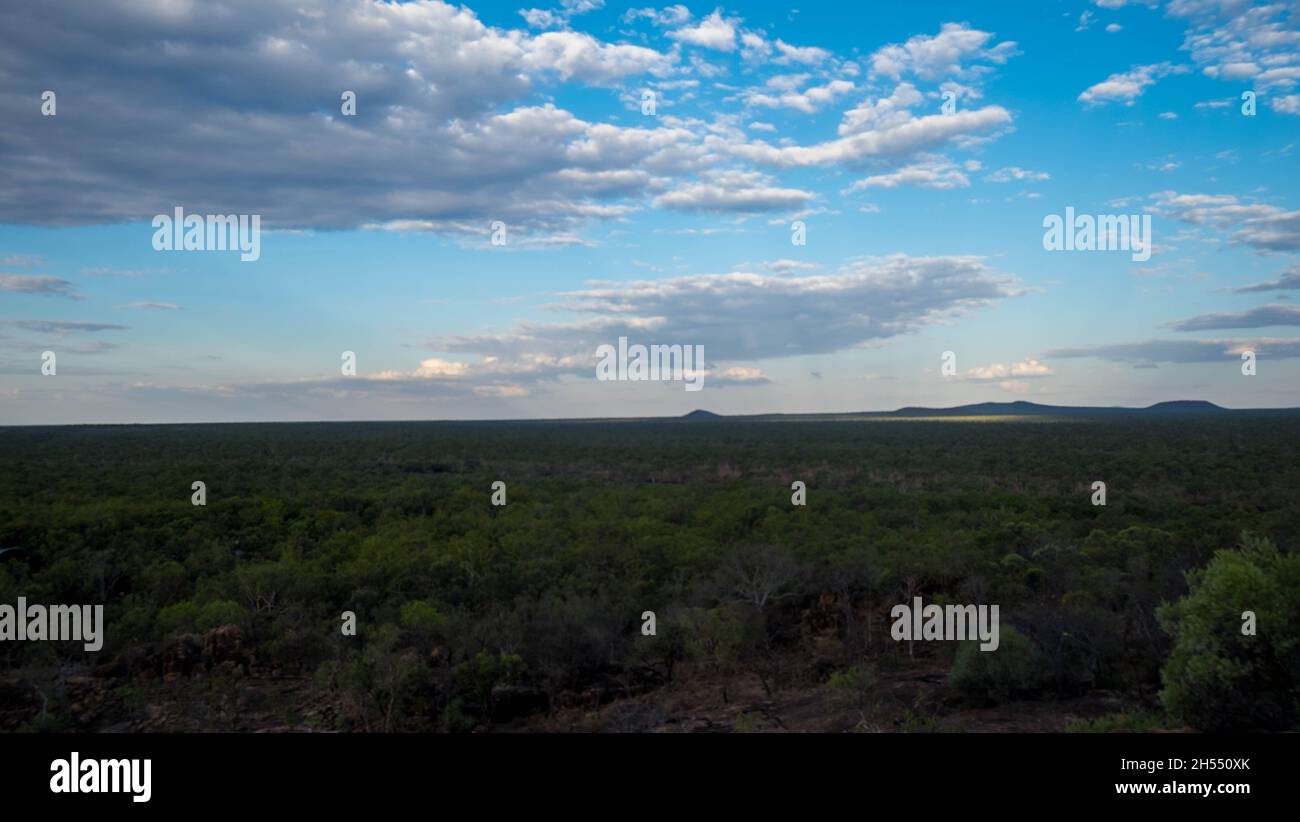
924, 225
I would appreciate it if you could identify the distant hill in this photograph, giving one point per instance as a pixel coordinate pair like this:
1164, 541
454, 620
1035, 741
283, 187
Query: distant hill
1022, 408
1018, 408
700, 414
1184, 407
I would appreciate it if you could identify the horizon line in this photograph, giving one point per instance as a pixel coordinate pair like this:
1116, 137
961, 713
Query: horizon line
1212, 407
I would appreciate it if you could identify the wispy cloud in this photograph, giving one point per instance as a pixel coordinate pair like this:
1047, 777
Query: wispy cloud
38, 284
1262, 316
1183, 351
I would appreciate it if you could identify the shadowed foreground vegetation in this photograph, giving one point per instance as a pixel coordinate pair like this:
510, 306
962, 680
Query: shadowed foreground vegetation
769, 616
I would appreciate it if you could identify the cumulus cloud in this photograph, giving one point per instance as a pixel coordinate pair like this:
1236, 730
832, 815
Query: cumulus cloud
1125, 87
734, 192
560, 16
740, 319
882, 126
788, 266
455, 128
807, 55
447, 132
1239, 41
712, 32
808, 100
1027, 368
429, 368
941, 56
1264, 226
745, 317
935, 174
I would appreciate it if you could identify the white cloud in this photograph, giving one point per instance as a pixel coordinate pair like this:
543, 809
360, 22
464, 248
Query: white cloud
444, 139
574, 55
935, 174
1263, 226
808, 100
753, 47
1236, 41
734, 191
1126, 87
788, 266
668, 16
543, 18
1028, 368
743, 317
938, 57
1290, 104
712, 32
1017, 174
807, 55
881, 127
735, 375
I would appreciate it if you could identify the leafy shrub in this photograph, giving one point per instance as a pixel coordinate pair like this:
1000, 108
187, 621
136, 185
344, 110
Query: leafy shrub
219, 612
177, 619
748, 724
1219, 679
851, 687
1015, 669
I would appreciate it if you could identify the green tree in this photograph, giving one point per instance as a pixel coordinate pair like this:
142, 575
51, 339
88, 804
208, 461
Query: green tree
1218, 678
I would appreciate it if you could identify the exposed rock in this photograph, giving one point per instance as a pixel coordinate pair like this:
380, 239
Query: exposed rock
223, 651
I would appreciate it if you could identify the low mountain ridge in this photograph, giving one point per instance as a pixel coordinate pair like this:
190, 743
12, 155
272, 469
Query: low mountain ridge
1016, 408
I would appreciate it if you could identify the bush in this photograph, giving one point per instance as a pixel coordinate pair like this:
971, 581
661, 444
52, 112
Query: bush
218, 613
748, 724
1217, 678
1016, 668
851, 688
177, 619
